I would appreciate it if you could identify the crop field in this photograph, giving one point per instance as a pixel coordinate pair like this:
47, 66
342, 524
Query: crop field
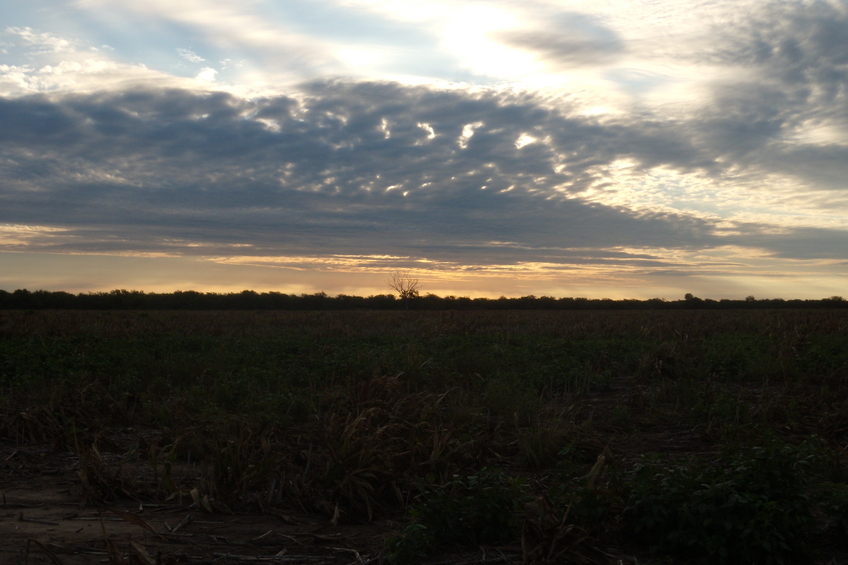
513, 437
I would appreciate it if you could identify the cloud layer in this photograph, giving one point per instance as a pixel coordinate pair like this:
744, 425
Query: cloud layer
364, 168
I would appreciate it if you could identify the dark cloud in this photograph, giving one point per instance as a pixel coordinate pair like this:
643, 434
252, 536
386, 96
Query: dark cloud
352, 168
800, 243
744, 118
358, 168
572, 40
790, 110
799, 42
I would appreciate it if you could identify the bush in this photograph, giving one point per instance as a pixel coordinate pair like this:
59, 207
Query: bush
469, 510
748, 509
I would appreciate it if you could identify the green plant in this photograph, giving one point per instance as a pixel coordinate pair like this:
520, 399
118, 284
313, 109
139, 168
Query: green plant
748, 509
414, 543
511, 398
540, 444
468, 510
480, 508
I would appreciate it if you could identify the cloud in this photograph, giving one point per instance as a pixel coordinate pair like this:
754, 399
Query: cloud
343, 169
790, 111
190, 56
49, 63
40, 42
571, 41
347, 168
235, 29
801, 243
207, 74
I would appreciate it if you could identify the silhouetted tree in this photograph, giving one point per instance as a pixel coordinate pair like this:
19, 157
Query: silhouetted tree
405, 285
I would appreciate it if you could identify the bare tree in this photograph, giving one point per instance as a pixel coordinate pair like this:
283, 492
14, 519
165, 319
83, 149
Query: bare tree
405, 285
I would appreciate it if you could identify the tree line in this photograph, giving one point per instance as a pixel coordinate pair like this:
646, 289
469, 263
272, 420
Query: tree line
23, 299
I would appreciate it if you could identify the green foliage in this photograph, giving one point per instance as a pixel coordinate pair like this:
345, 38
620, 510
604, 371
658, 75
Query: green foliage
510, 397
590, 508
742, 356
820, 355
749, 509
414, 544
351, 412
473, 509
468, 510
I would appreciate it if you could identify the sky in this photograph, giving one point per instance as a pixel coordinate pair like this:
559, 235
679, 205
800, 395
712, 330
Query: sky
597, 148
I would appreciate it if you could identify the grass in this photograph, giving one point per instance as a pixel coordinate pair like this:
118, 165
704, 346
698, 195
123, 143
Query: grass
361, 415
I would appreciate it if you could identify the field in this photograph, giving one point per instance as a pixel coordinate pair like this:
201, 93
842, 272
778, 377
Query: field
430, 437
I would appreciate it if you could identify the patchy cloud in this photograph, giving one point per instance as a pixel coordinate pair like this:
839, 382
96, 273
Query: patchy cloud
190, 56
345, 168
790, 112
309, 174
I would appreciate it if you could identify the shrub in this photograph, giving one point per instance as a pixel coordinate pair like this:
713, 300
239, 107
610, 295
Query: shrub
749, 509
468, 510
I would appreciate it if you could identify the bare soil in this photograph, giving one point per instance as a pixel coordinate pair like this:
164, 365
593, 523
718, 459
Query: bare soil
44, 519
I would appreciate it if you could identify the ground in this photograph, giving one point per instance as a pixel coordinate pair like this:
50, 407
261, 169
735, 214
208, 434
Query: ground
43, 516
269, 437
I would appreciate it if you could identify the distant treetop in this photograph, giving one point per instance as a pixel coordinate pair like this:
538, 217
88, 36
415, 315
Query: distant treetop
408, 298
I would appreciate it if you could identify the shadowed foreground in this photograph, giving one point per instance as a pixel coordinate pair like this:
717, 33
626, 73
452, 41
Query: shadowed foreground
402, 437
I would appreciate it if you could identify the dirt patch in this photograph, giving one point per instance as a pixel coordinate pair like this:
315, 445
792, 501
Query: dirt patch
42, 520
